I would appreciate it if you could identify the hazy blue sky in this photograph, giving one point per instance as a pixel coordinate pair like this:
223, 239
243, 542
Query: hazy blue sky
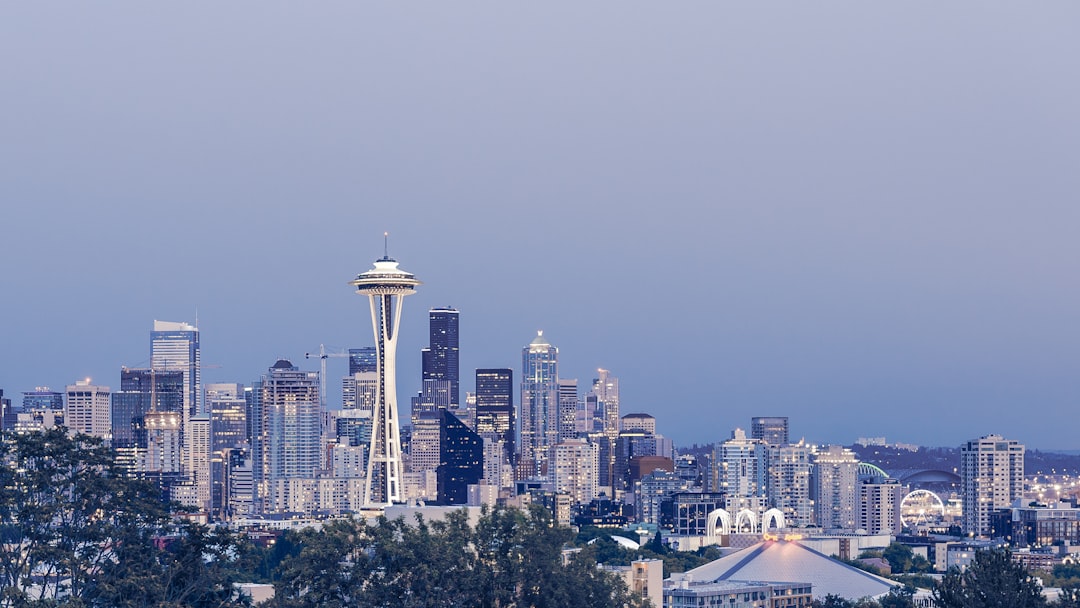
861, 215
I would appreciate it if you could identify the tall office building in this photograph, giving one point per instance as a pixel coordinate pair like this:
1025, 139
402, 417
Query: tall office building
773, 430
788, 483
288, 429
568, 409
88, 409
992, 477
42, 398
835, 495
539, 403
364, 359
175, 347
440, 370
228, 415
606, 389
142, 391
386, 286
461, 460
739, 466
495, 408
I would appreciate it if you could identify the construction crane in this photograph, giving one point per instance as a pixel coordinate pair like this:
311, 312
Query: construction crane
323, 355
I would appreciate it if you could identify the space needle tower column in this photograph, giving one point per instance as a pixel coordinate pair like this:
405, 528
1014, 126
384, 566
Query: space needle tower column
385, 285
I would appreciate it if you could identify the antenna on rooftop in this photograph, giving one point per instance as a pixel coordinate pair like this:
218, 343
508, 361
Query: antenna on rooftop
386, 244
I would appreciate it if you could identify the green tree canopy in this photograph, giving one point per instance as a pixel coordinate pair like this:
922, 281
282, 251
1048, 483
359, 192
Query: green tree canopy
992, 580
510, 558
76, 531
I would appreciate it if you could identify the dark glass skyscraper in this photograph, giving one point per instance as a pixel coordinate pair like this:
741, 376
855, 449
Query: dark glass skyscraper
461, 459
440, 358
495, 407
143, 391
364, 359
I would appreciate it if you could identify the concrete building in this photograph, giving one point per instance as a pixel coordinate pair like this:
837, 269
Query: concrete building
739, 472
879, 506
88, 409
992, 476
835, 497
577, 469
788, 483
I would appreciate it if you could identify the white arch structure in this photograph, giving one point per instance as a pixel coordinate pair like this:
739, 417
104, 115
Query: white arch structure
775, 517
748, 516
718, 516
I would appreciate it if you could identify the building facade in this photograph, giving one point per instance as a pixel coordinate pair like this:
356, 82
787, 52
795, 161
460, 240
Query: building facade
992, 477
539, 404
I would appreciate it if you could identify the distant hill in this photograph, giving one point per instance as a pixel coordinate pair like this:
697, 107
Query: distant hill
945, 459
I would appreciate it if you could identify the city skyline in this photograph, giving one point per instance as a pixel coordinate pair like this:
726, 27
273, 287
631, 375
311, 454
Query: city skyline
867, 226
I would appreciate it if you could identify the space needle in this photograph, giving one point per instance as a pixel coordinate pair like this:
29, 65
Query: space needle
385, 285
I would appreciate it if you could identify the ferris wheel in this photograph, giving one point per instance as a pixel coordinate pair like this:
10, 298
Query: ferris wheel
920, 508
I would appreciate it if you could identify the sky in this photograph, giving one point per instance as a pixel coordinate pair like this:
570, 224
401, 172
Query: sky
862, 216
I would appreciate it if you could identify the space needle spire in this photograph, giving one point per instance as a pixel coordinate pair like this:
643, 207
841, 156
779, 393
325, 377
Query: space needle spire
385, 285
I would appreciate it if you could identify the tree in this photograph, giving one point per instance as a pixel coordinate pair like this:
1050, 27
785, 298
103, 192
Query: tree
509, 559
64, 506
75, 531
992, 580
1069, 597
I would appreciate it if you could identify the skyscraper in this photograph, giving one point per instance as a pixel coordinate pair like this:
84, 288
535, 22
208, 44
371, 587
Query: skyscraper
788, 483
834, 484
175, 347
385, 285
288, 433
461, 459
568, 408
773, 430
606, 389
495, 407
539, 403
364, 359
740, 464
440, 358
992, 477
88, 409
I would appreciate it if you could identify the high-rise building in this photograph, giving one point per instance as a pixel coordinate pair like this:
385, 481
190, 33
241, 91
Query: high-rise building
461, 460
773, 430
142, 391
8, 415
495, 408
288, 427
992, 476
645, 423
788, 483
740, 466
88, 409
836, 472
440, 359
568, 408
364, 359
228, 415
606, 389
386, 286
576, 464
539, 404
199, 436
42, 398
879, 505
175, 347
